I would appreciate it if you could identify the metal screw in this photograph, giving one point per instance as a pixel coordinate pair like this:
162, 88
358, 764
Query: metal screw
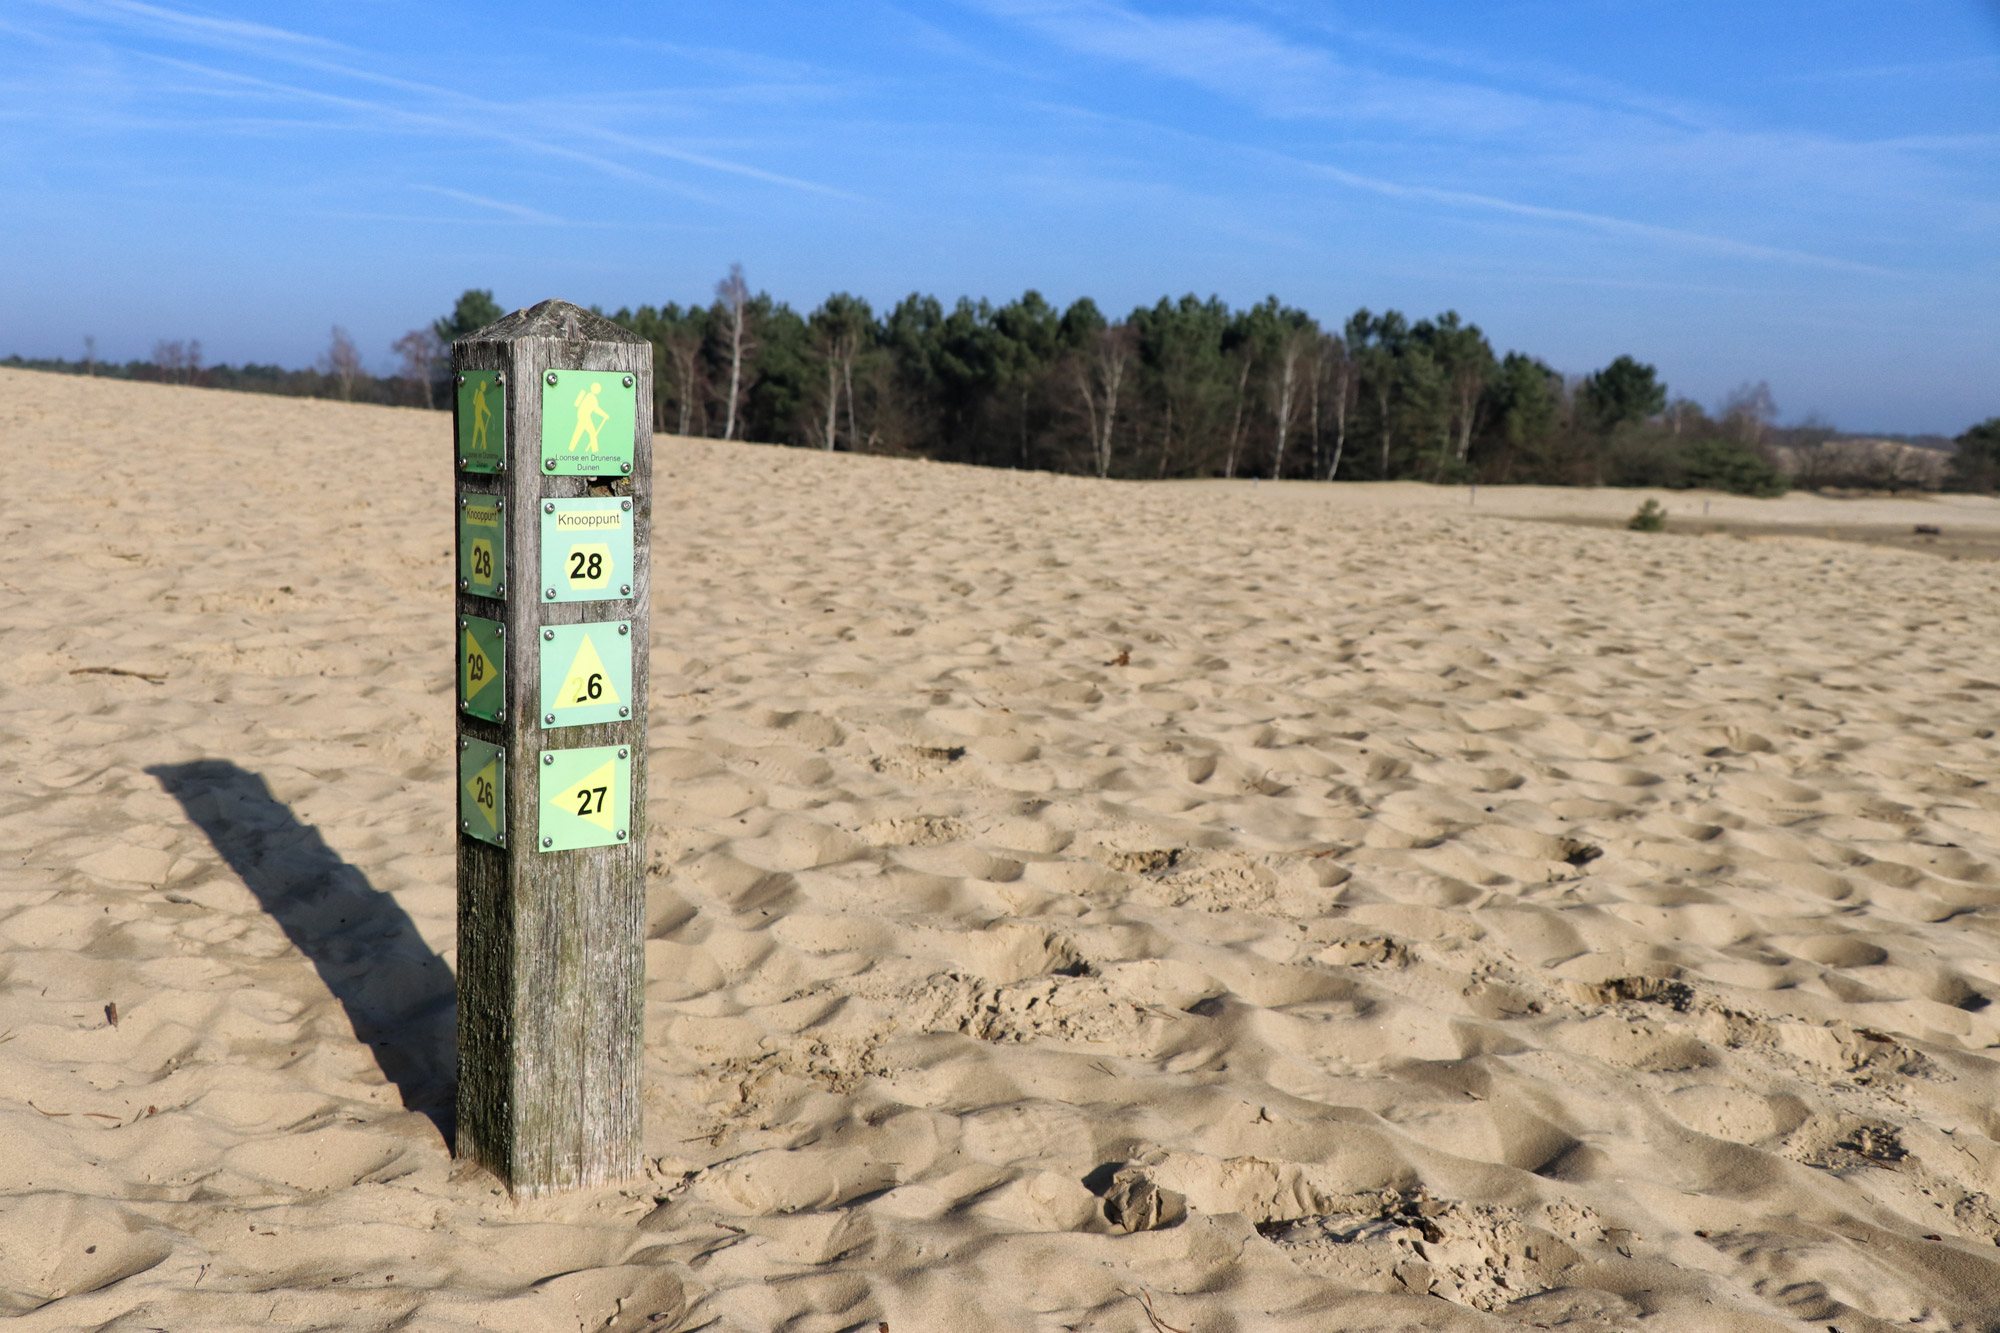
461, 379
500, 377
464, 744
548, 719
465, 823
463, 705
628, 467
500, 504
548, 759
624, 753
625, 505
552, 377
549, 593
502, 716
624, 712
463, 500
463, 585
624, 628
548, 843
628, 381
461, 622
548, 506
548, 634
461, 462
499, 590
625, 588
621, 835
499, 631
548, 465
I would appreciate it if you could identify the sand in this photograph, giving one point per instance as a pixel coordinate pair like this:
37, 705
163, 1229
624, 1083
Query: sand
1072, 905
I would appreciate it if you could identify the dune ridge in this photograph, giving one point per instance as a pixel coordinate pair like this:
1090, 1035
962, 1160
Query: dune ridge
1277, 907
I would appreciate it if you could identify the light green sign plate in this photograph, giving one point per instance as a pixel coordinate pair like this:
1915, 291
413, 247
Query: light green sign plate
482, 421
586, 549
482, 668
589, 420
482, 791
482, 544
586, 673
586, 798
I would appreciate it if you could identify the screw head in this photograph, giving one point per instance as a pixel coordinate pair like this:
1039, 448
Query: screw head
502, 716
624, 628
625, 505
621, 835
464, 744
623, 711
549, 593
461, 622
499, 377
500, 503
552, 377
627, 467
463, 585
461, 379
548, 465
548, 843
499, 631
548, 758
463, 501
499, 590
628, 381
461, 462
548, 506
465, 823
548, 634
548, 719
625, 588
463, 705
624, 753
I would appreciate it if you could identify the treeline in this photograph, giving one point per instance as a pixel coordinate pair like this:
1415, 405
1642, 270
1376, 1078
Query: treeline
1181, 388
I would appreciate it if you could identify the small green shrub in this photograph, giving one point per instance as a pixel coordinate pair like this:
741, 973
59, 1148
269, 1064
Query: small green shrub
1650, 518
1727, 465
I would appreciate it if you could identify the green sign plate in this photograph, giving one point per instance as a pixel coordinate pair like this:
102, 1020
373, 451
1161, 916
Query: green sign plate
482, 668
586, 673
482, 544
482, 791
589, 421
586, 549
482, 421
586, 798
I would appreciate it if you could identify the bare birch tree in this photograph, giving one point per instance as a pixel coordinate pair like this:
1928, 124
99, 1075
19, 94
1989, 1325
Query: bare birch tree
342, 362
1100, 376
732, 297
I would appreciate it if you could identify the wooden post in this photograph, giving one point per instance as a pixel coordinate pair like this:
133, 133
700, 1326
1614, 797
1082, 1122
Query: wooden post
553, 498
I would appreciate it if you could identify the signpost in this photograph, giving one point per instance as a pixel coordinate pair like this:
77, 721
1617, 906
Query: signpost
554, 490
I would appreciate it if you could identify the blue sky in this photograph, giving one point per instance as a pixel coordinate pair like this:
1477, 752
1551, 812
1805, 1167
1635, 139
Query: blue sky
1804, 193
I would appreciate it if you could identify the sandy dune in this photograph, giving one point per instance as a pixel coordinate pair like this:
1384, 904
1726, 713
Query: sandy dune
1288, 908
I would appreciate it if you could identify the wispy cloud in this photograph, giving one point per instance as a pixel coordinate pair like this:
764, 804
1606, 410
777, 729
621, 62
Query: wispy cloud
520, 211
439, 108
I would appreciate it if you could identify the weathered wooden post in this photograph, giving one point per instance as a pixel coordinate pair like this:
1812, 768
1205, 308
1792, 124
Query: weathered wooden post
554, 506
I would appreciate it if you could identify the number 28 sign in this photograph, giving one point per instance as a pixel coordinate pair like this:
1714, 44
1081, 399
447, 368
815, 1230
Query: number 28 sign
587, 549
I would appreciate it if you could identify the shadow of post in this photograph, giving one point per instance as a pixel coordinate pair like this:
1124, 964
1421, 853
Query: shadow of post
400, 997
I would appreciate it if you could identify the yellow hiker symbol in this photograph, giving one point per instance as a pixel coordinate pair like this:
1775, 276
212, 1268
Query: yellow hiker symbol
587, 407
482, 416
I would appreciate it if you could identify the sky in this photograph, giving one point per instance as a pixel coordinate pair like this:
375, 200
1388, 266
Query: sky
1806, 194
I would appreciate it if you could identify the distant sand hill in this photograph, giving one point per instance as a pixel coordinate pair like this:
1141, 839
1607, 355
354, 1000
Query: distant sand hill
1074, 905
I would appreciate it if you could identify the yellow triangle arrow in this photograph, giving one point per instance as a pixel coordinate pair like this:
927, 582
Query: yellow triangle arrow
477, 666
485, 795
594, 799
586, 684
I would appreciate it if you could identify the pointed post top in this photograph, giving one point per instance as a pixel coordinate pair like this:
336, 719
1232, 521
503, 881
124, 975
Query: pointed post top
553, 319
